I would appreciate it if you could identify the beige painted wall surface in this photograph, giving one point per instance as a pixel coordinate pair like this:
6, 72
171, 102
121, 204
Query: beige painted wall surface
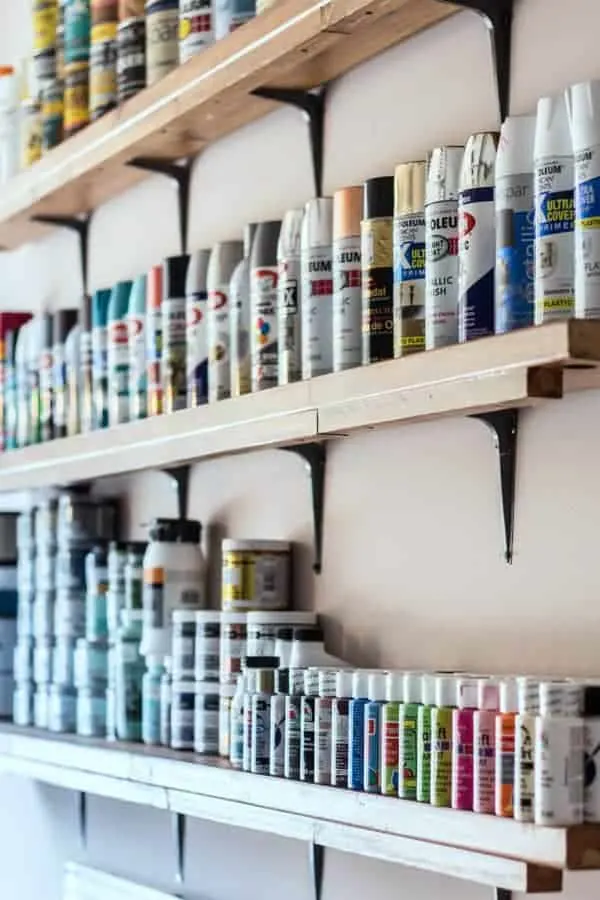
413, 570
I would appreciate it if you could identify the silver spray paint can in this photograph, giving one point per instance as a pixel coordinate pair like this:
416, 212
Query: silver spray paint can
441, 247
288, 298
224, 258
347, 279
477, 238
239, 292
559, 755
317, 287
263, 306
196, 339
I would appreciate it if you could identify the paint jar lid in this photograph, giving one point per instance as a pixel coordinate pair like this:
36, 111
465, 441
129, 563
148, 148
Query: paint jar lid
509, 696
409, 188
327, 682
377, 686
360, 684
466, 693
561, 698
394, 692
479, 161
289, 617
174, 275
343, 683
347, 209
413, 687
528, 692
445, 691
288, 245
203, 616
311, 634
378, 197
515, 148
296, 680
231, 545
311, 682
184, 616
234, 618
591, 700
428, 689
443, 171
282, 681
488, 694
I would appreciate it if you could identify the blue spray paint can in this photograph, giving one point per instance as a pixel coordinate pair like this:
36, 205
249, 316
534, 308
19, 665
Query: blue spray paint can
356, 728
477, 238
515, 225
372, 733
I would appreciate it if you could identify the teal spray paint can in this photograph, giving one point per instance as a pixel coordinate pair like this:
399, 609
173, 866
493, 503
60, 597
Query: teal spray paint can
100, 303
118, 354
136, 335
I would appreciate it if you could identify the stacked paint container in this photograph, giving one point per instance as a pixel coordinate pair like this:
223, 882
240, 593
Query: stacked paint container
43, 607
23, 658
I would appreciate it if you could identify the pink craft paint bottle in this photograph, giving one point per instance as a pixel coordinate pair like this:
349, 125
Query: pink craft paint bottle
462, 743
484, 746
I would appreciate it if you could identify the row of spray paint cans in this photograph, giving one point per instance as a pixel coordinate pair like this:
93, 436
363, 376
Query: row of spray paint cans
512, 747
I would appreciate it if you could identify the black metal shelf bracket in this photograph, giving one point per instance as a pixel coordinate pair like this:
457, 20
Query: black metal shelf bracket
502, 894
179, 829
504, 426
316, 861
312, 104
498, 16
180, 479
82, 817
181, 174
315, 457
80, 226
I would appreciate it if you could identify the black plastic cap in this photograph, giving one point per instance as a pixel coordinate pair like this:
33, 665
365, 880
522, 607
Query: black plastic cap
174, 275
591, 700
312, 634
378, 197
62, 322
260, 662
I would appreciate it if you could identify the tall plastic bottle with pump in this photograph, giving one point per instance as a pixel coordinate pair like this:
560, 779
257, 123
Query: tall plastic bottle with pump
118, 354
224, 257
239, 299
136, 327
196, 342
289, 318
317, 287
585, 129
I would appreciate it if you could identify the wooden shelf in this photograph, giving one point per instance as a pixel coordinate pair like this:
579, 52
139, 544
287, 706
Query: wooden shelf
297, 43
486, 849
514, 370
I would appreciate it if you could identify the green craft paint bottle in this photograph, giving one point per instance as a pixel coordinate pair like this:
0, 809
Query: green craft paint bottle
424, 739
390, 712
441, 740
407, 742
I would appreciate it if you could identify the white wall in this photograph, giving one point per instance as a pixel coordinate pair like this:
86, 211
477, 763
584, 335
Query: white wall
413, 568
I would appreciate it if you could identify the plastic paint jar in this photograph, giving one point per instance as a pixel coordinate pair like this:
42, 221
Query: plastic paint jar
91, 713
208, 644
96, 577
62, 709
23, 660
183, 653
90, 666
23, 703
256, 575
183, 705
264, 626
233, 646
151, 684
206, 718
63, 662
42, 660
40, 707
128, 693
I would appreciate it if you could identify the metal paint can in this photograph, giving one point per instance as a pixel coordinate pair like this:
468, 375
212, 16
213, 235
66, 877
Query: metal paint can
224, 258
256, 575
77, 31
45, 19
103, 70
263, 306
52, 114
31, 133
77, 97
196, 31
162, 38
131, 57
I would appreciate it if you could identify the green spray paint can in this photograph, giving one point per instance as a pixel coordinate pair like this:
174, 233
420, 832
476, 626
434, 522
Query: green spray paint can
390, 714
424, 739
441, 740
407, 741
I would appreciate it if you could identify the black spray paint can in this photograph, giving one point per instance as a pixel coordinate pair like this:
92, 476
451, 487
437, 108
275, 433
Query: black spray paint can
376, 230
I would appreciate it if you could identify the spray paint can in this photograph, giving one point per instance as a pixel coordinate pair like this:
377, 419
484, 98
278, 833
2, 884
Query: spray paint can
154, 340
52, 114
377, 261
373, 733
45, 18
11, 390
390, 713
554, 213
591, 721
407, 740
277, 723
223, 259
477, 238
44, 429
196, 30
409, 258
293, 707
173, 358
323, 716
559, 755
76, 98
100, 304
239, 313
585, 130
528, 694
441, 247
289, 319
86, 358
118, 354
462, 744
356, 729
196, 339
136, 340
263, 306
317, 287
261, 721
77, 31
424, 738
515, 225
347, 279
307, 725
131, 57
484, 746
63, 322
339, 728
162, 38
505, 748
103, 57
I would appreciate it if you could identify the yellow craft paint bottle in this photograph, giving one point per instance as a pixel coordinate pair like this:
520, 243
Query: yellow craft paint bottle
441, 740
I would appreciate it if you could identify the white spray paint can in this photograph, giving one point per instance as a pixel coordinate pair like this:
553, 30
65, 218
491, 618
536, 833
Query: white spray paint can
347, 279
239, 291
585, 130
591, 723
441, 247
289, 344
409, 258
317, 287
264, 347
477, 238
196, 302
559, 755
528, 694
224, 258
554, 213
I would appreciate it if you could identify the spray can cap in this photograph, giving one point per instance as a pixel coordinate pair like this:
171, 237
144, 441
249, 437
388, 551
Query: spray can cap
445, 691
196, 273
347, 208
360, 684
327, 682
413, 687
428, 689
509, 696
174, 275
317, 224
443, 172
479, 161
409, 188
343, 683
378, 198
394, 691
552, 132
528, 692
377, 686
488, 694
561, 698
515, 147
584, 100
311, 682
154, 288
467, 693
288, 245
249, 232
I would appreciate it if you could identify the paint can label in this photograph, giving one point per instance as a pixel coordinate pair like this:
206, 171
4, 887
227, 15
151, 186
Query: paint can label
77, 99
288, 321
131, 58
77, 31
103, 77
219, 363
484, 769
347, 304
339, 738
476, 253
173, 353
137, 366
587, 234
307, 739
162, 39
524, 763
356, 744
264, 338
554, 237
195, 27
377, 260
197, 350
515, 253
441, 274
505, 765
206, 723
45, 19
118, 372
316, 308
409, 284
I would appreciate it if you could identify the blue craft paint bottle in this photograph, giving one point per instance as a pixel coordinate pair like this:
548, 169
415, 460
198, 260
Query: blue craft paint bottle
372, 733
356, 727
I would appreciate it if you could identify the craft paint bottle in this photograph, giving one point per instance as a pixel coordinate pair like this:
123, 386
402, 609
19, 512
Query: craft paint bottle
316, 301
409, 258
390, 712
86, 358
554, 213
136, 322
261, 721
377, 261
339, 728
477, 238
373, 733
154, 341
249, 689
323, 714
277, 723
293, 707
236, 724
442, 740
441, 247
407, 735
196, 339
173, 360
43, 428
515, 225
307, 725
239, 314
585, 129
289, 320
62, 324
462, 743
559, 755
591, 722
424, 738
505, 735
117, 353
100, 304
528, 693
484, 746
347, 279
263, 306
356, 726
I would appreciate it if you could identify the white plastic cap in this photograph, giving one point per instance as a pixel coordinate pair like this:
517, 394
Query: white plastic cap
445, 691
360, 684
428, 689
584, 100
528, 693
467, 693
343, 683
377, 686
561, 698
394, 688
509, 696
488, 694
515, 148
552, 132
413, 691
